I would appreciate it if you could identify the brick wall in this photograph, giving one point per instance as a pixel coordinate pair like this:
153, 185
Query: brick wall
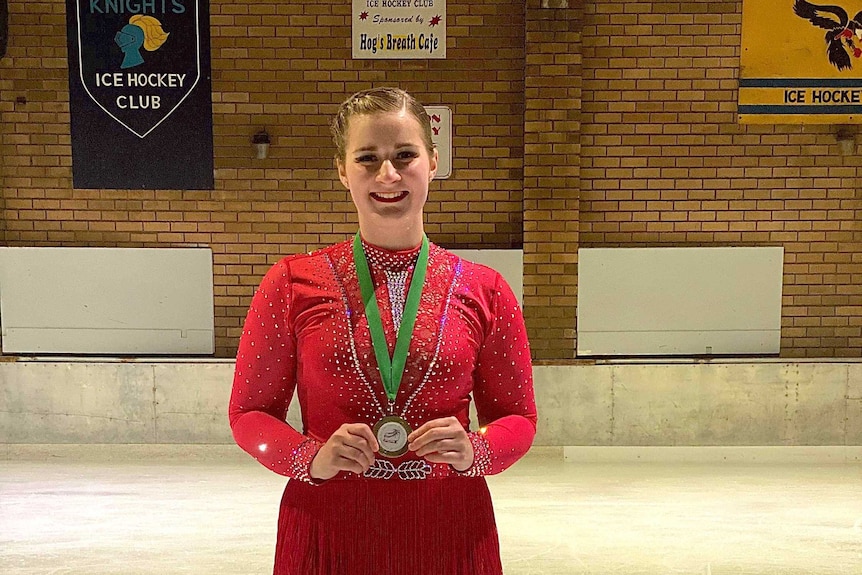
615, 126
285, 66
551, 177
664, 163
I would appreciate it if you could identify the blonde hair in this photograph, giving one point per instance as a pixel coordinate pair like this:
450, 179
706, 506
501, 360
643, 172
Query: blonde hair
154, 35
378, 101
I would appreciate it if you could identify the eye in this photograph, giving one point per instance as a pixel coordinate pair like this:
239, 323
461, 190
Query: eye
366, 159
406, 155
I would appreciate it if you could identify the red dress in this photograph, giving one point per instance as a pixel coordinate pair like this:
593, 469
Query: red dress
306, 332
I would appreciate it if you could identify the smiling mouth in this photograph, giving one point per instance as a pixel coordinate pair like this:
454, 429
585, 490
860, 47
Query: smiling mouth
389, 197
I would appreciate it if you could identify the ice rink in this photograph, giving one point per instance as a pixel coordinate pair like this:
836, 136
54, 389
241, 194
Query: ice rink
211, 510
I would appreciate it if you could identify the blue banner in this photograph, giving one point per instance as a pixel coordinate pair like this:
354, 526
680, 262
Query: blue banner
140, 94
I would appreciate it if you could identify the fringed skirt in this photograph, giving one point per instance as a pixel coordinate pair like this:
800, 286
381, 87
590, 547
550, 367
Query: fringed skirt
394, 527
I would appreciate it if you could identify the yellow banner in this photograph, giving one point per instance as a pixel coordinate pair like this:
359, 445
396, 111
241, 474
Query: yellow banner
801, 62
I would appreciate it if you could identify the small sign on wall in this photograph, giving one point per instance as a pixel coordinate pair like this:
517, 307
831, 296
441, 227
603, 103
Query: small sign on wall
140, 95
441, 135
399, 29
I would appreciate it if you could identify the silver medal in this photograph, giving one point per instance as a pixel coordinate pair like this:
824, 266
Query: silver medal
391, 433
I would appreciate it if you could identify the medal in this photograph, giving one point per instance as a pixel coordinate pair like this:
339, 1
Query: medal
391, 431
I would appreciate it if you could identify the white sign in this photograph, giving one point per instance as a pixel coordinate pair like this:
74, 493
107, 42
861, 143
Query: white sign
441, 135
399, 29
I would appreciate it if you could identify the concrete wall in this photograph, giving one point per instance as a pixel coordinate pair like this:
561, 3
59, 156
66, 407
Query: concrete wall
770, 403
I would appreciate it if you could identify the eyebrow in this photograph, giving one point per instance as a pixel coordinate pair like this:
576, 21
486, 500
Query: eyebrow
374, 148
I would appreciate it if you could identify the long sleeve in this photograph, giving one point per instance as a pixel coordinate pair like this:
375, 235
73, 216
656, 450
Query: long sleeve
503, 388
265, 379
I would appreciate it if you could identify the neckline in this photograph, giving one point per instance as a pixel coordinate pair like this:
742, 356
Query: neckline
390, 260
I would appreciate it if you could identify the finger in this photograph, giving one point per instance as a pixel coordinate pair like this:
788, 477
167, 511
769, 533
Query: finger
363, 431
436, 434
358, 450
442, 446
351, 465
357, 436
425, 428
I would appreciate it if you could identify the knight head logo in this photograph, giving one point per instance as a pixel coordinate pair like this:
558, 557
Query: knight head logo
141, 31
843, 34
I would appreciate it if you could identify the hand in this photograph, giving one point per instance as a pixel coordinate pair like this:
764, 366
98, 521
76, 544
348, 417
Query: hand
350, 448
443, 441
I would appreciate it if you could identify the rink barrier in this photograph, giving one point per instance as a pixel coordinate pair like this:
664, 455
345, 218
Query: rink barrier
619, 404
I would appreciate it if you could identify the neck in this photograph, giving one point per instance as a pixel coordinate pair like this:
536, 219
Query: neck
393, 237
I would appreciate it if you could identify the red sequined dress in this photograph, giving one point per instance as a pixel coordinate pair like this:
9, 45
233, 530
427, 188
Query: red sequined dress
306, 333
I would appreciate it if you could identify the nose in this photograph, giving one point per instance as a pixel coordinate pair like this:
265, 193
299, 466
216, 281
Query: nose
387, 172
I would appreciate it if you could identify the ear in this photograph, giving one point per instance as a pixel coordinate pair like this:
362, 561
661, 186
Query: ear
342, 173
433, 165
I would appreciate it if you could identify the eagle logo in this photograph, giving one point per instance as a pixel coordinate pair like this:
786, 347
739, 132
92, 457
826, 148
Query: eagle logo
842, 34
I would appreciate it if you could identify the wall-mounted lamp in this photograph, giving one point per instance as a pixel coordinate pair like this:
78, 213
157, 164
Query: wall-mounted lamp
261, 144
846, 138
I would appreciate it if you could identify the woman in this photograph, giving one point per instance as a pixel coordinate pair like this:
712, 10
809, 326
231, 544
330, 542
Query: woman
385, 338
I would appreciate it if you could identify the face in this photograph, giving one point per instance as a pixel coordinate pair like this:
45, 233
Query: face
387, 170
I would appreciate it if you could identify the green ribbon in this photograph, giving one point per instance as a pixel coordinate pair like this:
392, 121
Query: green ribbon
391, 369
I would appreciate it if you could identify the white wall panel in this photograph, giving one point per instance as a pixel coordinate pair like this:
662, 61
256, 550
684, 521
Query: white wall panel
106, 301
679, 301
